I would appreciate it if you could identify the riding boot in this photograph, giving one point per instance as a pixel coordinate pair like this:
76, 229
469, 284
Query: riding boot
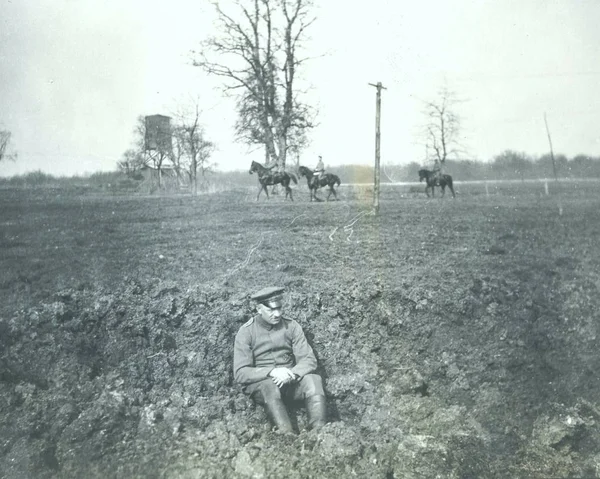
278, 416
316, 409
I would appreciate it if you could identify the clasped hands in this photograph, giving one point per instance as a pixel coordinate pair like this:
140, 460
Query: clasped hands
282, 376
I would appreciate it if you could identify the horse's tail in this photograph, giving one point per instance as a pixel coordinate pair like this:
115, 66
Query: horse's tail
338, 181
293, 177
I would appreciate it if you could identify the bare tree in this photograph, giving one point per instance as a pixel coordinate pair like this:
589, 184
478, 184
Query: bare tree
298, 143
179, 156
442, 128
139, 135
131, 162
257, 56
193, 149
5, 136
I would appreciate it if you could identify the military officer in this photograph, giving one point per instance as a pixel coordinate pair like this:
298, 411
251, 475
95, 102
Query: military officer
319, 170
273, 361
438, 169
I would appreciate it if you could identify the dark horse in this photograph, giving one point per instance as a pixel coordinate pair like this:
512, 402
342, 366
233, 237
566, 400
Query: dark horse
267, 178
314, 183
431, 180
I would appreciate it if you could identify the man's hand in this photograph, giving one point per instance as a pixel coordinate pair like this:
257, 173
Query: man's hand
282, 376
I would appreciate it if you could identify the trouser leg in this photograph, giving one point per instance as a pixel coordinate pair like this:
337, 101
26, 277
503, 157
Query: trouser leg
310, 388
267, 394
316, 410
278, 416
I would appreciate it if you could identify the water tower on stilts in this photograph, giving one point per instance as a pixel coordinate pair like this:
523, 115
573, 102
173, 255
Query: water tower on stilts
158, 144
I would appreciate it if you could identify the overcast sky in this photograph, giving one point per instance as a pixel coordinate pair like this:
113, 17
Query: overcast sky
75, 75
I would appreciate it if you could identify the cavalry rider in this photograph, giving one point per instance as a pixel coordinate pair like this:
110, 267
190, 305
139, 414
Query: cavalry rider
319, 169
438, 172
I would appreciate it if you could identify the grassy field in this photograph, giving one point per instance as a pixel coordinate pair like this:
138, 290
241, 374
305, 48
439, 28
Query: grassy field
53, 239
462, 332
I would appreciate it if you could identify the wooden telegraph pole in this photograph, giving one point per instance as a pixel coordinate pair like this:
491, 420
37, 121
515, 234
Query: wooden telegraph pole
551, 151
377, 173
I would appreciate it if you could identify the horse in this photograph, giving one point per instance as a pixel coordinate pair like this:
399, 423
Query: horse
267, 178
314, 183
431, 181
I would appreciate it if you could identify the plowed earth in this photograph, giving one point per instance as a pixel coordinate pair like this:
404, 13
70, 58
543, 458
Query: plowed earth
457, 338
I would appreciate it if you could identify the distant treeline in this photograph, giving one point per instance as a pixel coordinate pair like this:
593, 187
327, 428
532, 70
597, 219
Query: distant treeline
40, 179
507, 166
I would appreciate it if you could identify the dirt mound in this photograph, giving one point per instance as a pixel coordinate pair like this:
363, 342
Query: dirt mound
113, 383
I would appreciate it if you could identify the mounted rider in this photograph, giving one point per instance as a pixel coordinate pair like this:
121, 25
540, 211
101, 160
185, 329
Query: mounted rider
271, 166
319, 170
438, 171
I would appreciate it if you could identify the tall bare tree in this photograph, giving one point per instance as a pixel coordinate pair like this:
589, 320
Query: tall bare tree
442, 127
5, 136
257, 55
179, 156
194, 149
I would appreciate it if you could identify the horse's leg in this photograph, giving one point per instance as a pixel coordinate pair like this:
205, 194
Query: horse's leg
262, 187
331, 190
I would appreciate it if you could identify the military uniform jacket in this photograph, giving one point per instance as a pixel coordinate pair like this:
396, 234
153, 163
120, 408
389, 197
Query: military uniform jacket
260, 347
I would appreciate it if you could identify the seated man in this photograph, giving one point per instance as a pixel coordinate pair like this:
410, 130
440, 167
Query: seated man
273, 360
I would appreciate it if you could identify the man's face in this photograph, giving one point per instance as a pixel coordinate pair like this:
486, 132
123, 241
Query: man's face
271, 312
